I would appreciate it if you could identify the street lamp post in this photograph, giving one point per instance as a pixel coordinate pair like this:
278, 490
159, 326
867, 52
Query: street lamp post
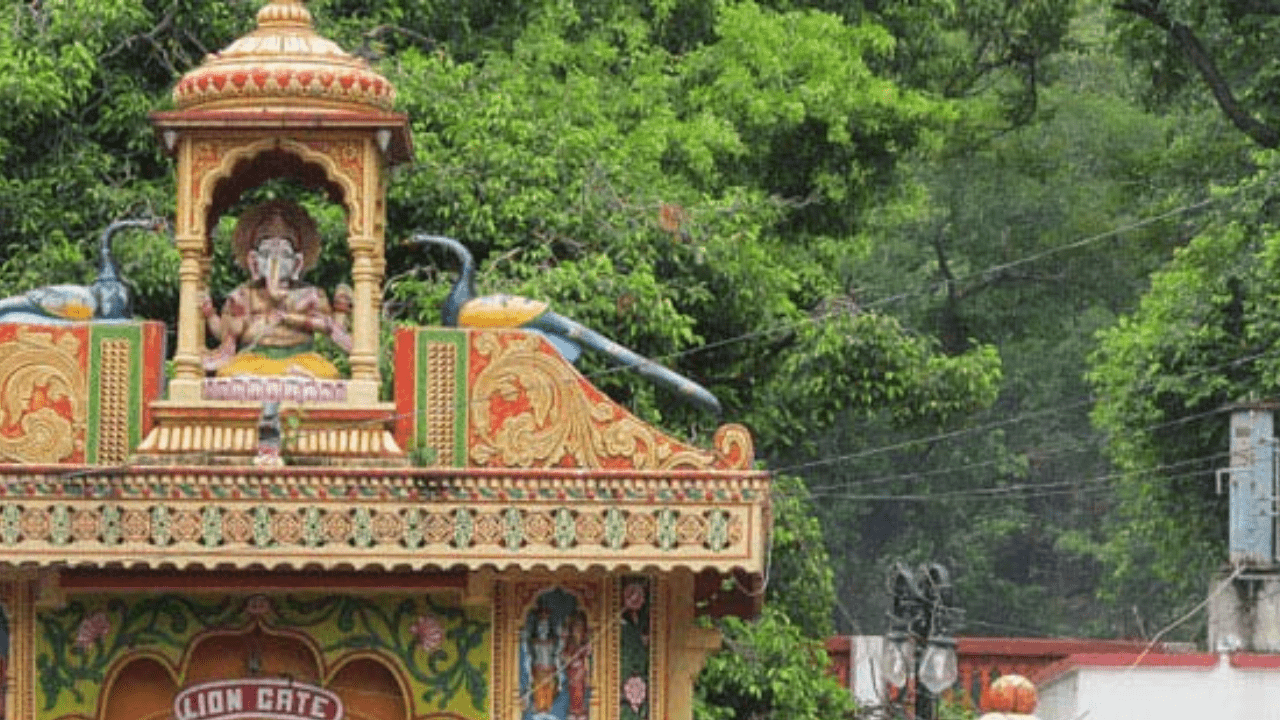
919, 642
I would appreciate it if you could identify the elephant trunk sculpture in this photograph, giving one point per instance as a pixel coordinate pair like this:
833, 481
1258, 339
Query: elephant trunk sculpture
106, 299
463, 308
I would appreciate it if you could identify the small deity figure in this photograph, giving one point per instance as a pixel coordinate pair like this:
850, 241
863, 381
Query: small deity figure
268, 323
577, 666
544, 648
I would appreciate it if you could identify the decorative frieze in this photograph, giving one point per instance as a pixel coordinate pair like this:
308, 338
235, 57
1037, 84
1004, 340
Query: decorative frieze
295, 517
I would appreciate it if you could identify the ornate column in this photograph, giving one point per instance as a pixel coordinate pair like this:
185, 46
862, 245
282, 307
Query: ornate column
187, 368
364, 325
17, 601
688, 644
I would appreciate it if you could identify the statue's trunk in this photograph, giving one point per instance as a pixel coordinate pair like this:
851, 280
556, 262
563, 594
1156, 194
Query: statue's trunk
275, 285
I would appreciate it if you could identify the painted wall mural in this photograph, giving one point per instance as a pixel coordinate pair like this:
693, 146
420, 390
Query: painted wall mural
393, 657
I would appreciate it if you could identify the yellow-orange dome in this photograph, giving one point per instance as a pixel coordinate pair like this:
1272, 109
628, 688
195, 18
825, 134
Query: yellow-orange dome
284, 63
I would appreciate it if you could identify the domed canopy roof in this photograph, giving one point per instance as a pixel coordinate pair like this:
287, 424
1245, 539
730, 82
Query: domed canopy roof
284, 63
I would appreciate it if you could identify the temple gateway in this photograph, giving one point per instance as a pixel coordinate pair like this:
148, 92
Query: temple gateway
255, 527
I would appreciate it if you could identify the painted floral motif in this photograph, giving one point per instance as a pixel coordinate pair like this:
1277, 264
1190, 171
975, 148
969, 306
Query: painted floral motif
401, 531
387, 528
615, 528
287, 527
539, 528
636, 692
429, 633
635, 653
438, 527
84, 526
464, 528
261, 526
258, 606
590, 530
362, 527
211, 521
111, 532
565, 528
35, 524
237, 527
92, 629
512, 528
60, 530
135, 526
634, 596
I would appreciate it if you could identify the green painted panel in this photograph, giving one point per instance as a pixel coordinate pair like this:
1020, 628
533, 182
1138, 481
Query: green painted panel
439, 649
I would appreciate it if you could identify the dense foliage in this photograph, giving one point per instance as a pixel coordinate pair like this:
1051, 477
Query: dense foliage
1201, 338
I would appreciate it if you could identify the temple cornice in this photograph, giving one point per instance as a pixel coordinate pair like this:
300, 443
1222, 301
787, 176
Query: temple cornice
296, 518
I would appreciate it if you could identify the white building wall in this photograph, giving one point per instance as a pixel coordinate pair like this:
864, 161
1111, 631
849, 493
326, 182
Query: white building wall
1058, 699
1221, 692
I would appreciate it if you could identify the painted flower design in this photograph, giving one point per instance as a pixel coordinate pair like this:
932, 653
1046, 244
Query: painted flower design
92, 629
635, 691
428, 631
258, 606
634, 596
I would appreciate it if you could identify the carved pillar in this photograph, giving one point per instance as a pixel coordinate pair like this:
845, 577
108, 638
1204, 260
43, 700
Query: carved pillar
187, 368
688, 645
364, 332
17, 598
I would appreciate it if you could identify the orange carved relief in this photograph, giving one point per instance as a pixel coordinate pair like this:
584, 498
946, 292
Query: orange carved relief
43, 396
530, 408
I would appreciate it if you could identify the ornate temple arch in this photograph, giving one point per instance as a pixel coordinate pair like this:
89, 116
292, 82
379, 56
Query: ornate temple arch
325, 164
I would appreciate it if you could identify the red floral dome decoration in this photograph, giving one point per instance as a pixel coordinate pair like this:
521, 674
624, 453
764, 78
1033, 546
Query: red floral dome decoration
1010, 694
284, 62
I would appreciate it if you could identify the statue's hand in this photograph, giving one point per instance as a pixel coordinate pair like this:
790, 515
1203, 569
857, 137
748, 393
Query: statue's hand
340, 336
218, 357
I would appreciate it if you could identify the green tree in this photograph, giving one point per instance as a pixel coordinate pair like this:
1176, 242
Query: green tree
1027, 239
1164, 372
1200, 340
1220, 47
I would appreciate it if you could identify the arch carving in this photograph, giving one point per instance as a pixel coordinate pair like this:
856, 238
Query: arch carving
342, 161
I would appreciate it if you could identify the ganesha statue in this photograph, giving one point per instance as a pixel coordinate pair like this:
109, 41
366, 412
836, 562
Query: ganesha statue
269, 323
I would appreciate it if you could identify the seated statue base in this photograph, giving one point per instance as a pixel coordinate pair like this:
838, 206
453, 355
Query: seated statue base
225, 432
195, 391
255, 388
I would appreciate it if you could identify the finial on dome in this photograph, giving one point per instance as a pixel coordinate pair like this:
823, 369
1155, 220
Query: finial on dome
284, 12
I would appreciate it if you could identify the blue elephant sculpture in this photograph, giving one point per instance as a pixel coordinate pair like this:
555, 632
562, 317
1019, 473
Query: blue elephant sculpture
462, 308
107, 299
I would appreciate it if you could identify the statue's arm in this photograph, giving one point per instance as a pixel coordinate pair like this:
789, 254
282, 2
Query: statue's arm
228, 328
211, 317
313, 313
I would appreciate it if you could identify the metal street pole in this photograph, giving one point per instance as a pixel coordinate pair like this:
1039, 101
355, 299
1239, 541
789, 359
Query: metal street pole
918, 642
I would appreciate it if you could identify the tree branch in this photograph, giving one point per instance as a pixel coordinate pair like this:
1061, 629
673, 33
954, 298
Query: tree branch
1254, 7
1198, 56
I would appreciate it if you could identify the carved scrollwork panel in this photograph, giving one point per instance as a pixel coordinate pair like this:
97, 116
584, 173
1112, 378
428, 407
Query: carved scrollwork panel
531, 408
43, 396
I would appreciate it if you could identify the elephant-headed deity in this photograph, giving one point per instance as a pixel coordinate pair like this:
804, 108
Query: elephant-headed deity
268, 323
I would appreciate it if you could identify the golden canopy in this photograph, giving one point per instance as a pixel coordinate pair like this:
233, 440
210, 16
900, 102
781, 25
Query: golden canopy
284, 63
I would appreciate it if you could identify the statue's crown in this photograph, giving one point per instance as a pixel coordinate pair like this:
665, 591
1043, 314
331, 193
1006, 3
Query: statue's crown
276, 226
